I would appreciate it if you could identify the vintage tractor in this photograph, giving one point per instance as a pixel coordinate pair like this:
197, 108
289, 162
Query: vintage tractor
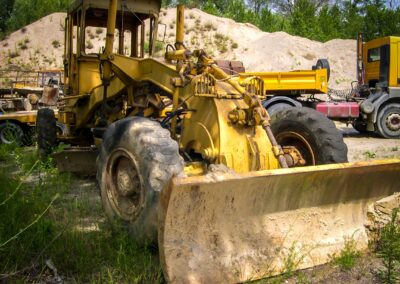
187, 155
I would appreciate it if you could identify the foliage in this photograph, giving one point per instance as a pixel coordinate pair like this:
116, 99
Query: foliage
389, 250
348, 255
37, 227
315, 19
321, 20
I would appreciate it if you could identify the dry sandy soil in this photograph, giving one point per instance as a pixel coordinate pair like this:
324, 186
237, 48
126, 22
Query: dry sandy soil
40, 45
371, 147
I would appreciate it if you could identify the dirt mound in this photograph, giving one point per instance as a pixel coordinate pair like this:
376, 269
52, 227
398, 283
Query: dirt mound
40, 45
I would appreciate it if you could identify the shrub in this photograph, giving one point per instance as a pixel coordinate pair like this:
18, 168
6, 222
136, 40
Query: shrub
55, 44
348, 256
389, 250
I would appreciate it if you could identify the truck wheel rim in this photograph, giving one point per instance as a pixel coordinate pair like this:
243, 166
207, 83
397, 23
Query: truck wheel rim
300, 143
124, 185
393, 121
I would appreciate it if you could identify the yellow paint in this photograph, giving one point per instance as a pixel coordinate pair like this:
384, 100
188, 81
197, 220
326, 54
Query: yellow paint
372, 68
307, 81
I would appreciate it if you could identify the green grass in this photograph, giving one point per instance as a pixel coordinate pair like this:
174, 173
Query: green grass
70, 230
348, 256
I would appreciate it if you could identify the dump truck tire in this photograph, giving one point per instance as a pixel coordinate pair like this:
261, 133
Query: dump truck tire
277, 107
388, 122
46, 128
137, 160
314, 135
11, 133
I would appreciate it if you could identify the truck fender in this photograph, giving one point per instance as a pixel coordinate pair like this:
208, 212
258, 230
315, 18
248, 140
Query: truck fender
280, 99
377, 99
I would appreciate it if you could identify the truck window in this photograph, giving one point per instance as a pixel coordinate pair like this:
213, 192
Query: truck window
374, 54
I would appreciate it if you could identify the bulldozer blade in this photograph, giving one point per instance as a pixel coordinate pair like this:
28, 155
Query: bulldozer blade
77, 160
233, 228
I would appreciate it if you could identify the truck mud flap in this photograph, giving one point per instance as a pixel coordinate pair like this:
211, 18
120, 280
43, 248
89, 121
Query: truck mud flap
233, 228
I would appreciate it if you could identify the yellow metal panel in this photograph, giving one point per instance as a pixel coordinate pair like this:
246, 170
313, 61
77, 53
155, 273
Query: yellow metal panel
307, 81
233, 228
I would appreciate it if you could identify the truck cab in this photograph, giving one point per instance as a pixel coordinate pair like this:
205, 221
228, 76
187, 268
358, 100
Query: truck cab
381, 58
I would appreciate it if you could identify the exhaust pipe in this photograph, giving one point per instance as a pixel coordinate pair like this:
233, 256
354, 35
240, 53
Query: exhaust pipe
180, 26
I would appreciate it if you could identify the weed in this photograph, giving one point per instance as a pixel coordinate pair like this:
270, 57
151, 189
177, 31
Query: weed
234, 45
23, 45
5, 44
209, 26
348, 255
89, 44
61, 230
99, 31
13, 53
55, 44
394, 149
389, 250
369, 154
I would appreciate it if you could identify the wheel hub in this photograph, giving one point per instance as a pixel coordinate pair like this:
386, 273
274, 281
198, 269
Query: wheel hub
124, 185
300, 144
393, 121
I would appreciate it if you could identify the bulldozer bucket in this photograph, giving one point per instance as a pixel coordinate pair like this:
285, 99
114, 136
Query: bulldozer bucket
229, 228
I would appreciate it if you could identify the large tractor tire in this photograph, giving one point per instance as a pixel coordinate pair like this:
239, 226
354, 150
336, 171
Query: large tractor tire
277, 107
137, 160
388, 121
46, 127
11, 133
314, 135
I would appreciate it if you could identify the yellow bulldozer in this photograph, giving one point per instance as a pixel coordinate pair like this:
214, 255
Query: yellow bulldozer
187, 157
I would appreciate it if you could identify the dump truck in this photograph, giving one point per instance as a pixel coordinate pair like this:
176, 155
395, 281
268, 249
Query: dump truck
187, 157
372, 105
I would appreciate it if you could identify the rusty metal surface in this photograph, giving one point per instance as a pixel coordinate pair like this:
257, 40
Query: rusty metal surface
78, 160
234, 228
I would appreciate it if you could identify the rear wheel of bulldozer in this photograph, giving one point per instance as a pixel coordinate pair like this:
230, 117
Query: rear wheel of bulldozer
137, 160
46, 127
311, 133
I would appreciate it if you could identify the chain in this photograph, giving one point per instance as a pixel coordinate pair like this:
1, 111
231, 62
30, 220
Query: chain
339, 95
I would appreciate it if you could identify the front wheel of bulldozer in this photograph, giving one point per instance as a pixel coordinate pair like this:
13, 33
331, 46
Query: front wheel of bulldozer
311, 133
137, 160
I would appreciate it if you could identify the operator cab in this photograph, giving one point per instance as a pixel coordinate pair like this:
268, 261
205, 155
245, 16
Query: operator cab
86, 28
382, 62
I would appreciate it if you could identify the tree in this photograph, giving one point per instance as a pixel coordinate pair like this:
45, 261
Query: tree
5, 13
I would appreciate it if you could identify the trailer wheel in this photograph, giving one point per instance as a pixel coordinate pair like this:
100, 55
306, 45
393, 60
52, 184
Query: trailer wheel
11, 133
46, 132
314, 135
136, 161
388, 122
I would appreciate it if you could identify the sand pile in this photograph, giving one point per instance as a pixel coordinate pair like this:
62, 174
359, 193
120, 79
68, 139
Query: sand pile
40, 45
